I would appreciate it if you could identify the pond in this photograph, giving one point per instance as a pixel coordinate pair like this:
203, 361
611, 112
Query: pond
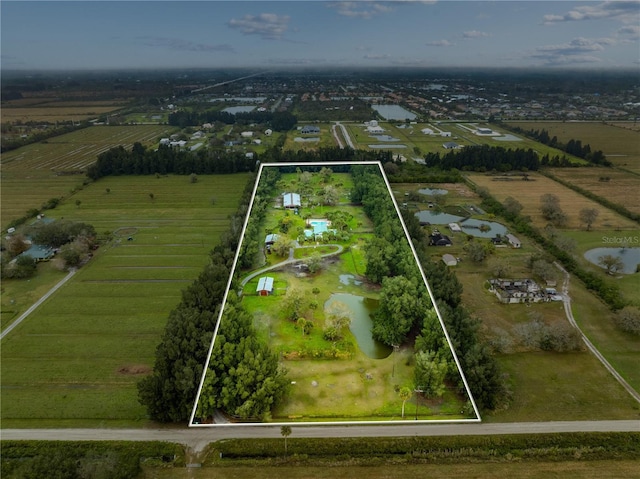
630, 257
361, 323
433, 191
435, 218
383, 146
472, 227
384, 137
239, 109
393, 112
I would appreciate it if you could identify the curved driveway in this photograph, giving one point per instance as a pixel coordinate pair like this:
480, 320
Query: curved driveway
196, 439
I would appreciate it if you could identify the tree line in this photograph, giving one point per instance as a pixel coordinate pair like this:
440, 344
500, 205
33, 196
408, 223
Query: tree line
278, 121
167, 160
485, 158
573, 147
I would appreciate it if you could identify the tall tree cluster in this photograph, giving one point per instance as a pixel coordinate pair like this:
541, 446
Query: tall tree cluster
485, 158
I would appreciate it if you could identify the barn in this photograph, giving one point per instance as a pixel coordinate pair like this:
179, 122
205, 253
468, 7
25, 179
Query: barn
265, 286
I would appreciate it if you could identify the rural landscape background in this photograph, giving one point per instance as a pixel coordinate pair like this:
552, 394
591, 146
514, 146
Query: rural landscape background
124, 194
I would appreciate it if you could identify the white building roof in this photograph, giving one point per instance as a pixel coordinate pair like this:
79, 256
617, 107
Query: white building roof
265, 284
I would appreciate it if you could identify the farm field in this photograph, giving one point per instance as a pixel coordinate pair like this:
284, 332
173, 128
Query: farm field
619, 142
620, 187
76, 360
35, 173
529, 193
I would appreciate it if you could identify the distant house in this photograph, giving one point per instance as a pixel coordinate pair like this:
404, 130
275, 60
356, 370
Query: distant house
427, 131
484, 131
165, 141
249, 155
310, 129
455, 227
291, 200
511, 291
445, 133
449, 259
265, 286
39, 253
268, 132
246, 134
375, 130
438, 239
450, 145
513, 241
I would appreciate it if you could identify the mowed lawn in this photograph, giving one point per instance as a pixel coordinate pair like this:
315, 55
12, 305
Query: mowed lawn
76, 360
528, 193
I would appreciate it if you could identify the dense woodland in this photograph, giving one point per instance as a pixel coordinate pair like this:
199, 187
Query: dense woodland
485, 158
278, 121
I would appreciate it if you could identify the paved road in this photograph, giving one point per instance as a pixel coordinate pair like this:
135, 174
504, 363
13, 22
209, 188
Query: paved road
197, 438
38, 303
566, 299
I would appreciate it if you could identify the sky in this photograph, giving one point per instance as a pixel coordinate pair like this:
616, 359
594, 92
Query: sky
57, 35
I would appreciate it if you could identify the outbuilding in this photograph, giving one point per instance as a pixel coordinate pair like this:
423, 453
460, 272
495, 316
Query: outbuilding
513, 241
265, 286
291, 200
449, 259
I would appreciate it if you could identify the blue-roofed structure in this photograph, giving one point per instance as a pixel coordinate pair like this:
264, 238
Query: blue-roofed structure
291, 200
265, 286
39, 253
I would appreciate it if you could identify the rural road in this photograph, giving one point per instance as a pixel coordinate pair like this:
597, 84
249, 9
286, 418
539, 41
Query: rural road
10, 328
566, 300
196, 439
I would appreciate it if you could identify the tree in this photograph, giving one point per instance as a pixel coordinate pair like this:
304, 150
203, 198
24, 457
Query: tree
477, 251
611, 263
281, 246
551, 211
544, 269
329, 195
628, 319
500, 269
588, 216
405, 394
293, 303
512, 206
152, 196
17, 244
286, 432
325, 174
108, 190
314, 262
78, 203
430, 373
337, 317
193, 178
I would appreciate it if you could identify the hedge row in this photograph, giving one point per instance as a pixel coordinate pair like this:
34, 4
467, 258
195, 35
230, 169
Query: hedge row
560, 446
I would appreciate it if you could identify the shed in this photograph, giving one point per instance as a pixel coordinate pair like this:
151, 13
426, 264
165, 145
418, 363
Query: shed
291, 200
515, 242
246, 134
268, 132
450, 145
265, 286
310, 129
455, 227
438, 239
270, 239
449, 259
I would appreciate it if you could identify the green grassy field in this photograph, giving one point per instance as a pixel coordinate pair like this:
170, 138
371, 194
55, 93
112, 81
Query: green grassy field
77, 358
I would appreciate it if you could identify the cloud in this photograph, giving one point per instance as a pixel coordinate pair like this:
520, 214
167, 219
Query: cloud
440, 43
630, 31
475, 34
578, 50
361, 9
184, 45
625, 11
268, 25
377, 57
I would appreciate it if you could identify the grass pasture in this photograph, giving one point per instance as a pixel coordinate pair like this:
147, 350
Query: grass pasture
32, 109
77, 358
619, 142
621, 187
529, 193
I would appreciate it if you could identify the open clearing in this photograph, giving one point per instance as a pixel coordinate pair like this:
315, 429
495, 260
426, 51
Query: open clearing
528, 193
619, 187
77, 359
620, 142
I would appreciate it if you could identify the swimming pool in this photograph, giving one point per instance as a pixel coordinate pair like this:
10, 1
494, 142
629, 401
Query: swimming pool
318, 226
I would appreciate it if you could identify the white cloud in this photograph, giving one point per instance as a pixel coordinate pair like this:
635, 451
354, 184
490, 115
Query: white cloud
377, 57
626, 11
630, 31
578, 50
475, 34
440, 43
360, 9
268, 25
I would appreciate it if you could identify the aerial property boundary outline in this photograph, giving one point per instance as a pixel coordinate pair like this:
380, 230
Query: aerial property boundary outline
195, 422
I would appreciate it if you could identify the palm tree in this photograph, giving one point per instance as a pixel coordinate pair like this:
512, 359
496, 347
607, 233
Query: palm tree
405, 395
286, 432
